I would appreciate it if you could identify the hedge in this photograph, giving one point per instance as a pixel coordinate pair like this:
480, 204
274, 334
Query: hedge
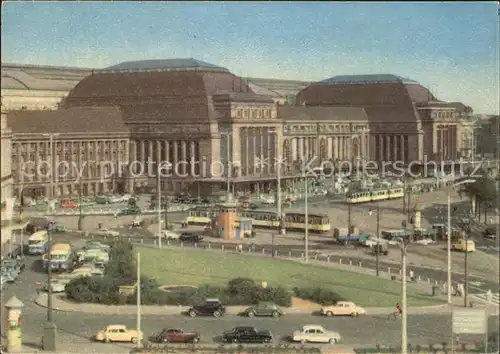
318, 295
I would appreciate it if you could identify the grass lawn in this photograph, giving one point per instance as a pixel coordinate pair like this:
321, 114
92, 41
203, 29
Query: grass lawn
180, 267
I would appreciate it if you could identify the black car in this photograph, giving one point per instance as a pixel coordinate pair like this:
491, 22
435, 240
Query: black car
244, 334
209, 308
190, 237
490, 232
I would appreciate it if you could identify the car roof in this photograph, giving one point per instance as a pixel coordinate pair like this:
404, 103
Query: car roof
345, 302
115, 326
306, 327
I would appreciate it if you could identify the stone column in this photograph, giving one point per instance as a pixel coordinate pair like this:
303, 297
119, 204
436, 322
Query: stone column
166, 148
175, 157
402, 151
143, 151
270, 154
300, 149
192, 160
387, 148
183, 156
158, 155
247, 151
395, 145
254, 142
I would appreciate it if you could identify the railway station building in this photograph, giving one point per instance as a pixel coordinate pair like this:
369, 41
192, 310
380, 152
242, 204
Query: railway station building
212, 126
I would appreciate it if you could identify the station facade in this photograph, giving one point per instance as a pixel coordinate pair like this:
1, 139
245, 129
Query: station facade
205, 126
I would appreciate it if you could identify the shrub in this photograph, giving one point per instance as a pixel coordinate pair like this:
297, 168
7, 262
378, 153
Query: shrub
93, 289
318, 295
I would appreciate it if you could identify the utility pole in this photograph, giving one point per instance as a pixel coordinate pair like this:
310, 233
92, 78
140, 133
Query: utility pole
378, 238
138, 294
278, 182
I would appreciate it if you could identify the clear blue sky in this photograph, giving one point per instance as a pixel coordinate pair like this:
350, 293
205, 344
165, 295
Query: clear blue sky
449, 47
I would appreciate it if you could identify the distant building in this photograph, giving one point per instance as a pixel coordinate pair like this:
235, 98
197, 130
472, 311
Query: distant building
32, 87
488, 137
7, 201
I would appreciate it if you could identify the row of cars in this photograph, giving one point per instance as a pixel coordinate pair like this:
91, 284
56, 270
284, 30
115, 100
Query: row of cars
238, 334
213, 307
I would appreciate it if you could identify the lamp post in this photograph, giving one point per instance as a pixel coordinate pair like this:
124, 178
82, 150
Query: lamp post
138, 295
80, 206
378, 240
228, 157
50, 329
404, 338
448, 290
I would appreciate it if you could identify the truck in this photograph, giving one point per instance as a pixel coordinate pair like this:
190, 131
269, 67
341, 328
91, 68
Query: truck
380, 248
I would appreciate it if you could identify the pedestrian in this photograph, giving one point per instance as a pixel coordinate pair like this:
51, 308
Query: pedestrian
412, 276
489, 295
240, 248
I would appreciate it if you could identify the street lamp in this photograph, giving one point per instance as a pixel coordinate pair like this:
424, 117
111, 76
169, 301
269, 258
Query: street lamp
404, 243
306, 215
50, 329
138, 295
467, 181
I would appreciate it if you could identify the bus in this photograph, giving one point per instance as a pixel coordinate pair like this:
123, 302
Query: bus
61, 257
38, 243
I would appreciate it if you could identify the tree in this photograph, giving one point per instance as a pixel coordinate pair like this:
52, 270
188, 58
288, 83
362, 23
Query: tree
483, 191
122, 264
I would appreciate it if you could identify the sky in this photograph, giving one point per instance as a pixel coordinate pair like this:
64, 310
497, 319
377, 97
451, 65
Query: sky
451, 47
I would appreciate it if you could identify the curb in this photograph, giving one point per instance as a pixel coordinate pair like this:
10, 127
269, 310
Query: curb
149, 310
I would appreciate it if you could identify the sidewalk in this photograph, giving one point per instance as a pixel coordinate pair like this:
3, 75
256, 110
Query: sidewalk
60, 304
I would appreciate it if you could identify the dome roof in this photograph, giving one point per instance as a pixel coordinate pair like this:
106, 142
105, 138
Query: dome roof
163, 65
159, 95
367, 79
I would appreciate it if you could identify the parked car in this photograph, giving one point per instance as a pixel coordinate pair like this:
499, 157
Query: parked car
169, 235
343, 308
9, 276
190, 237
137, 222
264, 308
130, 211
118, 333
58, 285
176, 335
17, 264
490, 232
243, 334
315, 334
212, 307
92, 245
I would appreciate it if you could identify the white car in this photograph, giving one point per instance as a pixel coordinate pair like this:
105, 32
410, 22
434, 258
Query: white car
108, 232
315, 334
425, 241
268, 201
169, 235
58, 285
